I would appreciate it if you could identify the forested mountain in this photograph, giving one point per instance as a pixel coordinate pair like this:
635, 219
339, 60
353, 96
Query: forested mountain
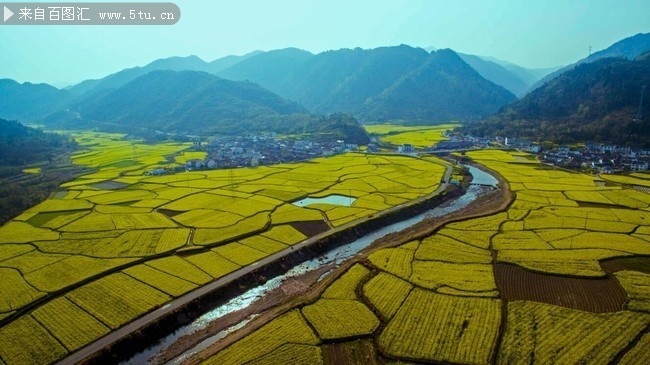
595, 101
267, 69
528, 75
19, 147
498, 74
357, 81
118, 79
189, 63
443, 88
183, 101
192, 102
29, 101
629, 48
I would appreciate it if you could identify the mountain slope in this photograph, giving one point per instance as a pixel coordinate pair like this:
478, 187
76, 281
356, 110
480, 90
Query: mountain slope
374, 71
29, 102
496, 73
357, 81
186, 101
223, 63
21, 146
198, 103
629, 48
444, 88
268, 69
595, 101
118, 79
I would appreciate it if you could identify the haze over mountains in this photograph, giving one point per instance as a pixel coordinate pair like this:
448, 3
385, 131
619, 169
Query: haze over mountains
378, 84
596, 101
629, 48
287, 89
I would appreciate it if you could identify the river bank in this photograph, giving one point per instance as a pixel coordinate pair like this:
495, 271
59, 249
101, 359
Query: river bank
492, 201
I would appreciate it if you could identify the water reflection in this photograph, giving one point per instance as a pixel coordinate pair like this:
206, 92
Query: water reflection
334, 199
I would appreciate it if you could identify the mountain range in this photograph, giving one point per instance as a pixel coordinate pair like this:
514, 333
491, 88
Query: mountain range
629, 48
601, 101
372, 84
28, 102
287, 89
388, 83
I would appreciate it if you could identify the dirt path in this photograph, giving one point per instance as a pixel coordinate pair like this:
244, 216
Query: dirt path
114, 337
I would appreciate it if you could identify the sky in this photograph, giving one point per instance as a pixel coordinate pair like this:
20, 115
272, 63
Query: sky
530, 33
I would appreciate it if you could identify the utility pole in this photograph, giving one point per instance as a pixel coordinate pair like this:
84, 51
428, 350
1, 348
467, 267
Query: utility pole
639, 113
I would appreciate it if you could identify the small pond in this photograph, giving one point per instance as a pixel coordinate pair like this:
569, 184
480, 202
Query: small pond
342, 200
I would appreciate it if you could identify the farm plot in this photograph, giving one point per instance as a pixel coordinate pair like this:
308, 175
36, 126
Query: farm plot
597, 295
386, 293
345, 286
443, 328
340, 318
637, 287
419, 136
288, 328
552, 334
117, 299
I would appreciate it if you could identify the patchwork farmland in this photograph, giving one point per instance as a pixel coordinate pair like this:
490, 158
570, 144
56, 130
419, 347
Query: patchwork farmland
115, 244
560, 276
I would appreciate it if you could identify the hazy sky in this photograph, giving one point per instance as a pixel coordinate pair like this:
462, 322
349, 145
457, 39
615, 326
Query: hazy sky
531, 33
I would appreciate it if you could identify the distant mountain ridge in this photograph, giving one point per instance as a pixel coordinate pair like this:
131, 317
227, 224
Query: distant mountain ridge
357, 81
595, 101
189, 63
30, 101
514, 78
628, 48
183, 101
354, 81
443, 88
198, 103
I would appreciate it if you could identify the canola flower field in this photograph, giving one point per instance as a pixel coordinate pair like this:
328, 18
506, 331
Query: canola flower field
436, 299
418, 136
106, 248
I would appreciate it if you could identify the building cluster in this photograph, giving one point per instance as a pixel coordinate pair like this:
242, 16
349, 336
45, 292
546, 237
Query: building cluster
602, 158
455, 142
263, 149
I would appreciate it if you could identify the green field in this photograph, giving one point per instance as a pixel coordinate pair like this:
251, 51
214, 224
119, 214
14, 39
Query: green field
117, 219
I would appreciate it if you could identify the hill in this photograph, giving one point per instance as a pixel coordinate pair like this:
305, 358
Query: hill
187, 101
189, 63
267, 69
595, 101
190, 102
21, 146
443, 88
118, 79
629, 48
29, 101
357, 81
514, 78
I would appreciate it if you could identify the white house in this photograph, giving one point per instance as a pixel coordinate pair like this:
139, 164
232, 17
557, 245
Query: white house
639, 166
405, 148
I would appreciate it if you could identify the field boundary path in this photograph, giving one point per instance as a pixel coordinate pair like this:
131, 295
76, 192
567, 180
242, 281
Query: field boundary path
177, 304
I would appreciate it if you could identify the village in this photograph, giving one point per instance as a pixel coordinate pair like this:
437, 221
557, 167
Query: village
591, 157
257, 149
269, 148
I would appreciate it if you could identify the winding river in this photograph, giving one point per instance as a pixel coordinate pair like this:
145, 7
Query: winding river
482, 182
